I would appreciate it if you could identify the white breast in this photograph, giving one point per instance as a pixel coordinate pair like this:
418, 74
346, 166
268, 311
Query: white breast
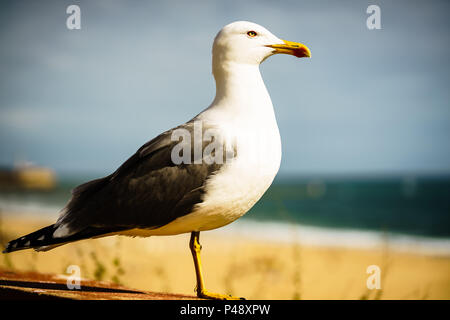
239, 184
236, 188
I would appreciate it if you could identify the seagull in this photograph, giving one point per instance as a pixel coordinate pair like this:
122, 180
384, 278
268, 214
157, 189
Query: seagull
199, 176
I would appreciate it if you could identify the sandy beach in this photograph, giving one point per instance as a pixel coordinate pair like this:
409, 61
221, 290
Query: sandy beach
254, 268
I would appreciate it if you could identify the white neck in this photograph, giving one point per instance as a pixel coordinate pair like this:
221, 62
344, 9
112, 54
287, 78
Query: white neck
241, 85
242, 108
240, 90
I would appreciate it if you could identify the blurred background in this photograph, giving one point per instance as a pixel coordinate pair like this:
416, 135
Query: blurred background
365, 123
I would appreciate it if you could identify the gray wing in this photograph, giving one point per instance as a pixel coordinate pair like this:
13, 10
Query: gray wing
147, 191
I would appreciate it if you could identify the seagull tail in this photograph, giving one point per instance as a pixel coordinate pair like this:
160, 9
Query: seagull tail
40, 240
44, 239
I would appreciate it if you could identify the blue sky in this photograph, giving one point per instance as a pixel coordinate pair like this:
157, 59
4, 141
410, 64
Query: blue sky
369, 101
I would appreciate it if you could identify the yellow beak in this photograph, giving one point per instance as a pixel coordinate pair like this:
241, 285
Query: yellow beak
294, 48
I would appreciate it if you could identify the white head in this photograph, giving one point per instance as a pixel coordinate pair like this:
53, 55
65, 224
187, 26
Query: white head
245, 42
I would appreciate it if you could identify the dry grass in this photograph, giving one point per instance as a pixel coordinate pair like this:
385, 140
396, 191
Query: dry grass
240, 266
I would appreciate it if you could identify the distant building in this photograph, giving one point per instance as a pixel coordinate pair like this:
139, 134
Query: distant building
27, 177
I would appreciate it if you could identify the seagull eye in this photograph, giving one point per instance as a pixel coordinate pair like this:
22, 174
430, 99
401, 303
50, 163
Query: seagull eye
251, 34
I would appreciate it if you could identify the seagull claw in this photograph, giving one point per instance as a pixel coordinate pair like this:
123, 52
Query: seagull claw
217, 296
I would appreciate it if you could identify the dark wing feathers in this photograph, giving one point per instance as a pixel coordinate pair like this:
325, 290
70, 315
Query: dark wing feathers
146, 191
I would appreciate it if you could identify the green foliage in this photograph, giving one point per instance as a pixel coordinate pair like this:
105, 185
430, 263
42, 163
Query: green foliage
100, 270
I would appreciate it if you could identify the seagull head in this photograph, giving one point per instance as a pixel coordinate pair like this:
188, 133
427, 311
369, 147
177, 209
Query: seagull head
249, 43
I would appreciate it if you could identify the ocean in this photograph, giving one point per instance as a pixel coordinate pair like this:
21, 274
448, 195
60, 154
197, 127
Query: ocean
363, 211
407, 205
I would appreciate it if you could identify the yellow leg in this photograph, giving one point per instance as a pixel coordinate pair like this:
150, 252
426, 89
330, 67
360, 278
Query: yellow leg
195, 247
